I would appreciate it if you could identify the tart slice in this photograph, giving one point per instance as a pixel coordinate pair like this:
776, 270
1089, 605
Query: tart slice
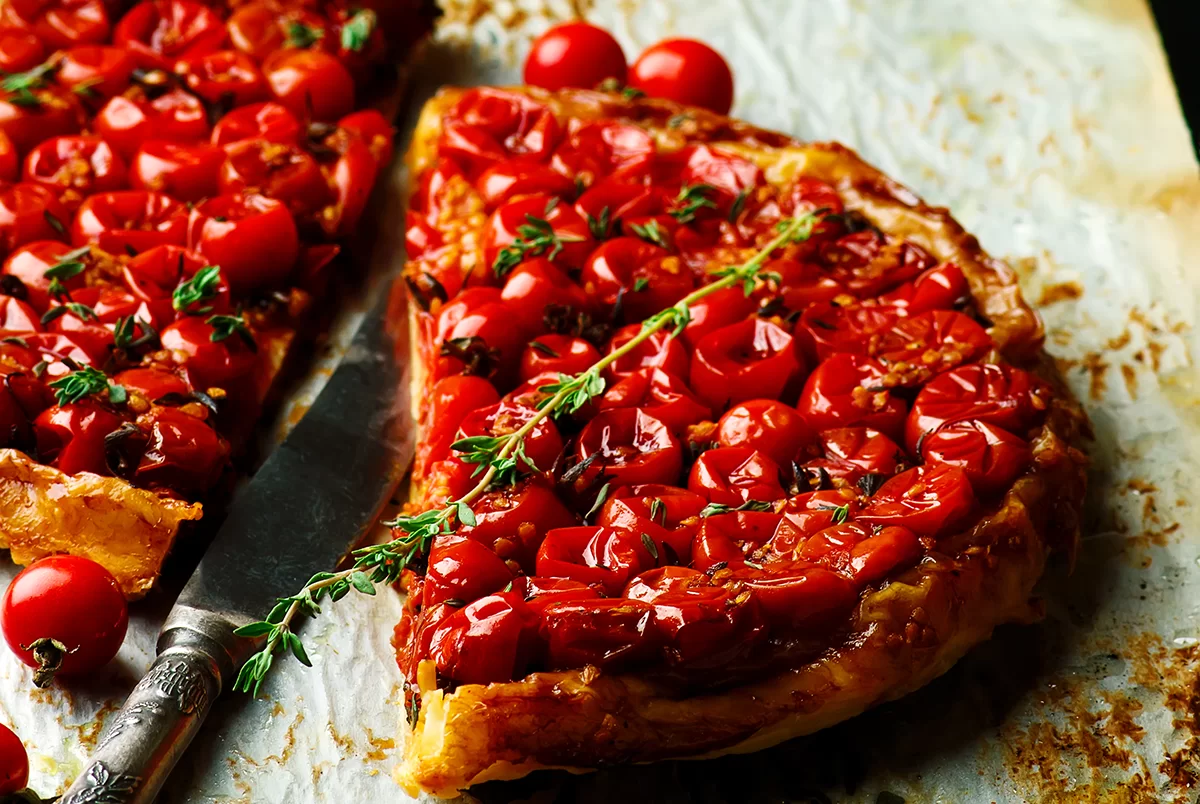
726, 437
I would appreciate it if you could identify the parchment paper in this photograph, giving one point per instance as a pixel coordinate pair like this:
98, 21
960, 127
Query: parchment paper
1052, 130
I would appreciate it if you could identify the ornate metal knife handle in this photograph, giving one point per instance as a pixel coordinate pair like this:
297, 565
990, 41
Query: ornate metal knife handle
196, 656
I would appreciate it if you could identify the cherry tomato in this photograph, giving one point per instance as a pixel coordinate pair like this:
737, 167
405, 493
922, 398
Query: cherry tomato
931, 500
75, 167
226, 364
542, 444
827, 328
370, 126
1004, 396
603, 556
802, 284
71, 437
184, 171
153, 275
734, 475
852, 452
10, 163
845, 391
537, 283
685, 71
14, 762
990, 456
514, 520
257, 28
492, 639
611, 634
311, 84
262, 122
797, 596
490, 125
63, 23
450, 400
705, 626
559, 353
464, 570
30, 212
252, 238
483, 341
17, 316
727, 174
660, 394
716, 311
505, 180
726, 538
660, 351
223, 76
158, 33
52, 112
126, 123
942, 287
184, 453
538, 593
769, 426
20, 49
574, 54
806, 514
58, 350
867, 264
151, 383
281, 171
129, 220
751, 359
669, 514
560, 225
618, 200
644, 276
936, 341
866, 554
631, 447
95, 70
29, 264
351, 177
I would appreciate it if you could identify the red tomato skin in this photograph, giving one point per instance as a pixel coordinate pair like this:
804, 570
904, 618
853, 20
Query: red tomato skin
506, 180
462, 569
57, 114
284, 172
1005, 396
659, 351
571, 230
615, 434
611, 634
10, 162
537, 283
667, 513
71, 437
450, 400
623, 264
17, 316
71, 599
542, 444
797, 596
103, 69
14, 762
186, 172
685, 71
753, 359
942, 287
490, 640
265, 122
716, 311
734, 475
931, 500
836, 395
602, 555
514, 520
177, 116
310, 83
370, 126
152, 383
574, 54
227, 364
866, 554
660, 394
488, 125
254, 239
558, 353
74, 166
184, 453
538, 592
991, 457
223, 73
159, 32
20, 49
26, 210
103, 219
767, 425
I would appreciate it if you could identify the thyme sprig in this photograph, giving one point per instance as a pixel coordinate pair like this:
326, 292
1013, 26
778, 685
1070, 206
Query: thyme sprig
499, 461
691, 199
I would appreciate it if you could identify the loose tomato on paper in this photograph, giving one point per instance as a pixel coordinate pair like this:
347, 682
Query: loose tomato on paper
685, 71
158, 33
14, 762
610, 634
736, 475
629, 446
753, 359
253, 238
931, 500
769, 426
129, 221
574, 54
990, 456
125, 123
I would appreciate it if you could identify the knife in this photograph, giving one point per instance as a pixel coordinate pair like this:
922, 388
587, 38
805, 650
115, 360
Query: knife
315, 498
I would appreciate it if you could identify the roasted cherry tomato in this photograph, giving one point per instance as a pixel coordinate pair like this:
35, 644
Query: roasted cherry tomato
63, 23
850, 453
374, 130
462, 570
644, 276
129, 220
534, 285
30, 212
227, 364
735, 475
17, 316
64, 615
258, 28
659, 351
559, 353
541, 445
868, 264
611, 634
771, 427
10, 163
990, 456
20, 49
669, 514
798, 596
866, 554
223, 76
29, 264
574, 54
281, 171
630, 447
845, 391
660, 394
158, 33
827, 328
71, 437
451, 399
513, 520
95, 71
14, 763
806, 514
252, 238
942, 287
505, 180
919, 346
685, 71
538, 592
183, 453
490, 125
74, 167
1004, 396
153, 384
601, 555
931, 500
748, 360
351, 177
492, 639
313, 85
801, 284
543, 227
49, 111
725, 539
260, 122
715, 311
482, 340
125, 123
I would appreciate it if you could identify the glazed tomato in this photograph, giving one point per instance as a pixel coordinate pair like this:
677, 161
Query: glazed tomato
660, 351
599, 555
930, 500
20, 49
660, 394
535, 284
125, 123
542, 444
827, 328
483, 341
226, 364
351, 176
158, 33
281, 171
751, 359
71, 437
252, 238
798, 596
596, 149
808, 513
29, 264
669, 514
261, 122
942, 287
184, 453
490, 125
492, 639
223, 76
546, 227
151, 383
866, 554
559, 353
58, 350
704, 626
311, 84
538, 593
505, 180
1004, 396
685, 71
184, 171
464, 570
75, 167
802, 284
725, 539
867, 264
10, 163
49, 111
852, 452
370, 126
514, 520
645, 276
574, 54
95, 70
257, 28
451, 399
155, 274
845, 391
611, 634
30, 212
990, 456
129, 220
14, 763
620, 200
64, 23
937, 340
716, 311
458, 308
631, 446
72, 609
17, 316
767, 425
734, 475
726, 174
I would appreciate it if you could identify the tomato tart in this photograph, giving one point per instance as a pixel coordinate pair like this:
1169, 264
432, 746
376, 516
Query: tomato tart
175, 177
811, 494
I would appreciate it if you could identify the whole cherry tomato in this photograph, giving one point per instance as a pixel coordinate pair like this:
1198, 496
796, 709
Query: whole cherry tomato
559, 353
71, 437
463, 570
483, 341
158, 33
129, 220
10, 163
769, 426
223, 76
125, 123
20, 49
370, 126
185, 171
827, 328
154, 275
942, 287
704, 625
541, 445
284, 172
30, 212
852, 452
748, 360
866, 554
14, 762
727, 538
931, 500
505, 180
629, 446
574, 54
990, 456
646, 277
611, 634
938, 340
716, 311
63, 23
1001, 395
262, 122
660, 394
546, 227
31, 116
685, 71
808, 513
29, 264
798, 596
252, 238
151, 383
492, 639
867, 264
513, 520
258, 29
183, 453
75, 167
536, 283
490, 125
735, 475
95, 70
538, 593
669, 514
451, 399
311, 84
618, 200
845, 391
660, 351
226, 364
351, 177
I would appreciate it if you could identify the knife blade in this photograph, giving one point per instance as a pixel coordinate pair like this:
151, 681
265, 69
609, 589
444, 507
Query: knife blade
313, 500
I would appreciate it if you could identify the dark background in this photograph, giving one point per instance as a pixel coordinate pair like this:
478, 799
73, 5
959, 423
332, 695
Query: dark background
1178, 29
